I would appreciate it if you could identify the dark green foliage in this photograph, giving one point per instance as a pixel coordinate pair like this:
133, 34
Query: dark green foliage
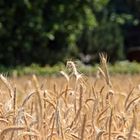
105, 38
49, 31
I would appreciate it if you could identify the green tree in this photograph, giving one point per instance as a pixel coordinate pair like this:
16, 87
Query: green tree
32, 31
49, 31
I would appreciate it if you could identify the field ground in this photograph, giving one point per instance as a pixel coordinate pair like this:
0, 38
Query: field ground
74, 116
70, 107
121, 82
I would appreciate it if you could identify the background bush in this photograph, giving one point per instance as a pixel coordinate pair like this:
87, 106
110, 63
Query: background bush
46, 31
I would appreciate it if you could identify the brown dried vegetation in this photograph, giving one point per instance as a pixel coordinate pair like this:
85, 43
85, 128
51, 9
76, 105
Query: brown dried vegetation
73, 107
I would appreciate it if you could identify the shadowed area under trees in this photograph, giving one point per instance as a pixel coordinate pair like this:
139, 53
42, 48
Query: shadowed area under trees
47, 32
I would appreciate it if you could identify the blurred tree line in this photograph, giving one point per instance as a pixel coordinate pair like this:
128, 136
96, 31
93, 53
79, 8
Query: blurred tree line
49, 31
